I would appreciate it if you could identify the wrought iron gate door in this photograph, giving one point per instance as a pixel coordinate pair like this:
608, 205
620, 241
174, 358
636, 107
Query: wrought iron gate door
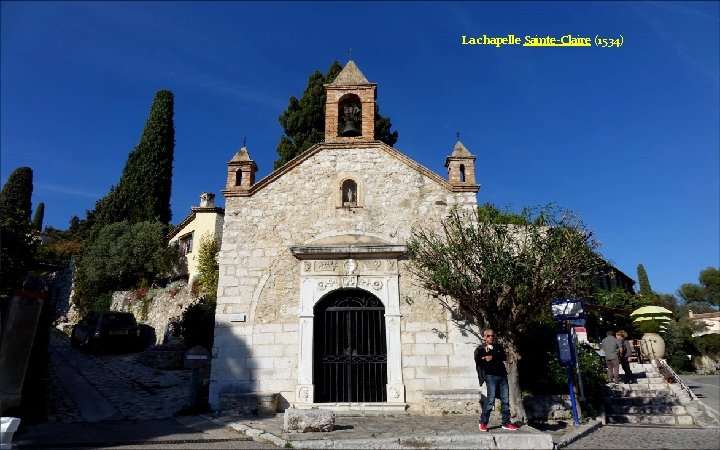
350, 353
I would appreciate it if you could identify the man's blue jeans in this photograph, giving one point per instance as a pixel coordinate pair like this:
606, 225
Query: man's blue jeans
496, 386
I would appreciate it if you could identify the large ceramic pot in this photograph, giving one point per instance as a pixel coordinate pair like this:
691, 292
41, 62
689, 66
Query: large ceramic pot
652, 346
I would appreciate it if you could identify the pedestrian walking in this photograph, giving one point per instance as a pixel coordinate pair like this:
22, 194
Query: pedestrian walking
626, 349
611, 347
490, 359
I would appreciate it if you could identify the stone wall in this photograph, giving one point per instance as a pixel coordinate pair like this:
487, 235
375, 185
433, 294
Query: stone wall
257, 319
59, 289
163, 304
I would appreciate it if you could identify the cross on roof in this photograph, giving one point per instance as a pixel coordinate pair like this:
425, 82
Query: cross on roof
458, 136
350, 51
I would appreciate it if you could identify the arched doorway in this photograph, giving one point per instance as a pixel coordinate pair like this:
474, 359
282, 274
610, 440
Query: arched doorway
350, 350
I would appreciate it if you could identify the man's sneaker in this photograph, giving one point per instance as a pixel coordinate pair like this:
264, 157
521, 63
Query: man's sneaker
483, 427
509, 426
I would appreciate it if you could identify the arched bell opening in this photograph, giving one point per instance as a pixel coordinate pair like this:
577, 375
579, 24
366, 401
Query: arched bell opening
350, 349
350, 116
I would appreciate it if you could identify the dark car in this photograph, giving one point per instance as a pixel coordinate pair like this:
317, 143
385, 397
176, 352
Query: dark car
106, 330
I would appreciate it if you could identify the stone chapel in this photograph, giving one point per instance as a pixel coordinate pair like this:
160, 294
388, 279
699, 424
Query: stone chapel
315, 300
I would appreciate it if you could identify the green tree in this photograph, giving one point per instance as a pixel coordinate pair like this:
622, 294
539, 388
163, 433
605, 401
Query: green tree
208, 268
706, 291
38, 217
303, 121
505, 276
143, 192
643, 281
665, 300
16, 245
123, 255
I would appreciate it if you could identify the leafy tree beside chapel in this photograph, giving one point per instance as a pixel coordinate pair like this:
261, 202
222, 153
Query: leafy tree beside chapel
502, 272
303, 121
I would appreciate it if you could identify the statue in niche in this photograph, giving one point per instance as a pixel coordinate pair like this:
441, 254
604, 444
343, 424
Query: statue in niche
349, 193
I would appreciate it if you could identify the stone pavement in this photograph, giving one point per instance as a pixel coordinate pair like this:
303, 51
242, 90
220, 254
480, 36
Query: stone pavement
133, 391
406, 431
639, 437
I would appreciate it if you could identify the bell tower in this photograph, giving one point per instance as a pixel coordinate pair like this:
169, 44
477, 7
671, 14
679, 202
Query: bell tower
461, 169
350, 107
240, 174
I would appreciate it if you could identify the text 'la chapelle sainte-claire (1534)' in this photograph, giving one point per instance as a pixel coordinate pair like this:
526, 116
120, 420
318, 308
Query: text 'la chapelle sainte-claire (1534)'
566, 40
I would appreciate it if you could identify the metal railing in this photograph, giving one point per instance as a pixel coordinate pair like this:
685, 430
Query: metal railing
665, 366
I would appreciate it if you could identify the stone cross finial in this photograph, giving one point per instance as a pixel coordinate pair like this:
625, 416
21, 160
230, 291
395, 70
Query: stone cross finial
458, 136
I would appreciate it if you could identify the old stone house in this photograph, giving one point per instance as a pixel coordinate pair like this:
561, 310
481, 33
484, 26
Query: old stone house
315, 301
203, 220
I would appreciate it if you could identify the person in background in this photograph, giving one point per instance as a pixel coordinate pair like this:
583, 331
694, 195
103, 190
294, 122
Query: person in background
491, 357
611, 347
626, 350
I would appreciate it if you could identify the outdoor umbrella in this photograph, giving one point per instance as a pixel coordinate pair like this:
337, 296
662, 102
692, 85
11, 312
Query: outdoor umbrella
651, 311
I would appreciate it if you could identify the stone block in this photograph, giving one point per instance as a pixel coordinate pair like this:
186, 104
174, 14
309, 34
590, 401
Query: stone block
308, 420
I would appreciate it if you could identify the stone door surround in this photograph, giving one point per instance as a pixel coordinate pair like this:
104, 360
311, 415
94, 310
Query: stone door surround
373, 268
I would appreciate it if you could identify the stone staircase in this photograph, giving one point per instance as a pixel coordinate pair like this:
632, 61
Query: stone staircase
650, 401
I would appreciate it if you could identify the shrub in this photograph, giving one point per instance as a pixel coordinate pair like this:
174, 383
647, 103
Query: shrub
102, 303
708, 345
197, 325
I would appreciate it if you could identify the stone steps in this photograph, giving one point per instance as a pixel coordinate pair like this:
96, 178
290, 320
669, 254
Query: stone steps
649, 401
655, 419
648, 409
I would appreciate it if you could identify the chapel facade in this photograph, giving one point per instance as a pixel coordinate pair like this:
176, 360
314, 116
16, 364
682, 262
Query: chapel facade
315, 300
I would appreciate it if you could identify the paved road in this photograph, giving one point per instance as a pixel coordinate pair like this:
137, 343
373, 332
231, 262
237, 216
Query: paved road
624, 437
706, 388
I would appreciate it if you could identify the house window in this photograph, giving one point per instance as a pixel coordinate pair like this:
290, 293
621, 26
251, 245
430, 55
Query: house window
186, 244
349, 193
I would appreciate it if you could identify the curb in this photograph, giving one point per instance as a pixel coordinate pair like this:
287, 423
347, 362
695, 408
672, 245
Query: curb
376, 442
577, 433
254, 433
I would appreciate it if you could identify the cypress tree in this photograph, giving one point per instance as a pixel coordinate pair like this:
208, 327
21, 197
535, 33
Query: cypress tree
16, 248
38, 217
303, 121
143, 193
17, 193
643, 281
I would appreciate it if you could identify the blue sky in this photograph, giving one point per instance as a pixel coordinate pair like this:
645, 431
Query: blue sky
627, 137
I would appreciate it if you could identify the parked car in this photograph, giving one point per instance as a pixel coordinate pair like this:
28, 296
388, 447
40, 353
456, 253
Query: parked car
106, 330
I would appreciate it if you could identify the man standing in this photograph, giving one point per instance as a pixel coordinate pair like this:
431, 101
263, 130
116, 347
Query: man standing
611, 347
491, 358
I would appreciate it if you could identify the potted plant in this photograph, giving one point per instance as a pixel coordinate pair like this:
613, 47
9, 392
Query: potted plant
651, 321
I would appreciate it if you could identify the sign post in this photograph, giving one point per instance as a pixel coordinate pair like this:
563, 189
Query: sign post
195, 358
565, 310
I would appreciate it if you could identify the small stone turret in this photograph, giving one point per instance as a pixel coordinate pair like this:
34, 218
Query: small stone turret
461, 169
241, 174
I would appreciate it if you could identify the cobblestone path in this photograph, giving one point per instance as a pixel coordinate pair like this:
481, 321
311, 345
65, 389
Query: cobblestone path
635, 437
135, 390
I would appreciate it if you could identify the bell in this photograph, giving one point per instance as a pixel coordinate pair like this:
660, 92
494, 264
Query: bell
350, 129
